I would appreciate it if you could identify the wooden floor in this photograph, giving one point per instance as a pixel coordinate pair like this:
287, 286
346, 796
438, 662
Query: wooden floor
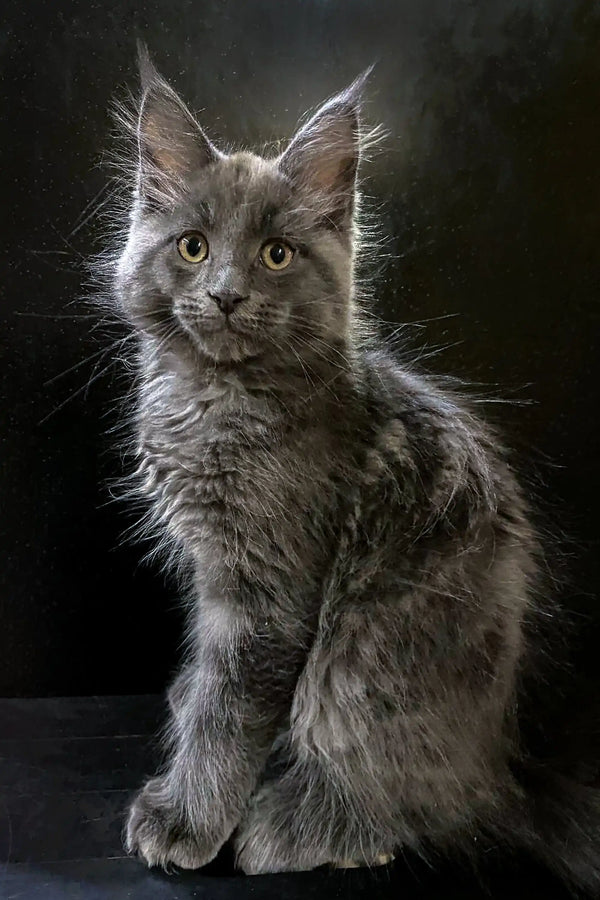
67, 769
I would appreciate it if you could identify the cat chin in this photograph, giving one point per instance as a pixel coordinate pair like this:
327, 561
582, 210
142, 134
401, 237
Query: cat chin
227, 346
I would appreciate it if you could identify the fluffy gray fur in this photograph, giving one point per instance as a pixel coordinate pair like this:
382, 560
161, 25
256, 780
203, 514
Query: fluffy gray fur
360, 555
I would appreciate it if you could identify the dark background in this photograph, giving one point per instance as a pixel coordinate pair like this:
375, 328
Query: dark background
487, 188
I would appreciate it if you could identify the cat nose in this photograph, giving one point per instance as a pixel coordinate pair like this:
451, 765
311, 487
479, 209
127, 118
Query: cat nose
227, 300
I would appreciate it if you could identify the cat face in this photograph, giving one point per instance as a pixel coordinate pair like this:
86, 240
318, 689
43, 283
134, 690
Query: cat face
235, 254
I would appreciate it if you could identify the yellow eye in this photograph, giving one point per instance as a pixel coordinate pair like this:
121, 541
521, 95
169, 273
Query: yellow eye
193, 247
276, 255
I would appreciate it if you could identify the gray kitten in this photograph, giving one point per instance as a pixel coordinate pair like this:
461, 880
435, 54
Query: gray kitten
360, 557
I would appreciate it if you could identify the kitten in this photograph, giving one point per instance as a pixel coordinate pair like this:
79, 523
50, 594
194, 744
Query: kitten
359, 554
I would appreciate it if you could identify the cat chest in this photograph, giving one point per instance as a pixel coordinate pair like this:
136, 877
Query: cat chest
219, 491
228, 477
232, 484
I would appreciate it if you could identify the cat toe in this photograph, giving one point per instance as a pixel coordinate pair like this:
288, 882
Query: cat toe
381, 859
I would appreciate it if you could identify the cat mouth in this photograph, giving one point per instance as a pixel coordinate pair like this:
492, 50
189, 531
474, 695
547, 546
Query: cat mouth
229, 342
209, 325
222, 337
214, 324
238, 328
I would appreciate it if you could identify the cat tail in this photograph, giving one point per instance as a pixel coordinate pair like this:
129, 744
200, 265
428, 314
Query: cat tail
561, 824
557, 760
558, 775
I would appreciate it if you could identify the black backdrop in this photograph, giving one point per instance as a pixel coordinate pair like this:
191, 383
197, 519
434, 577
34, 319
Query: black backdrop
488, 187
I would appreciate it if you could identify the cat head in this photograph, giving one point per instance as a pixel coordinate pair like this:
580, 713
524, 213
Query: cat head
236, 254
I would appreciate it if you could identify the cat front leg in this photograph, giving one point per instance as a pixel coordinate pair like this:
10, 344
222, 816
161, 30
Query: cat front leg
179, 687
223, 726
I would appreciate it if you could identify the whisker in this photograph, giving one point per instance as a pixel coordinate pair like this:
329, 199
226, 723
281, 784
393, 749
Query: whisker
73, 316
82, 362
84, 217
84, 387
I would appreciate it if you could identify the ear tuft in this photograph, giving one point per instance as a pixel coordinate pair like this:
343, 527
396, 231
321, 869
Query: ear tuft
146, 67
353, 94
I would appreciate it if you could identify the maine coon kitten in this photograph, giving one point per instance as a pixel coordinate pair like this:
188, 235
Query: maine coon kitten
360, 556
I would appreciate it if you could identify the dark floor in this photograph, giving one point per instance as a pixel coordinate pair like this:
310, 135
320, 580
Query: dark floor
67, 768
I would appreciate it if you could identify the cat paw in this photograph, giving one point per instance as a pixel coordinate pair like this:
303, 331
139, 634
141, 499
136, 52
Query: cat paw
381, 859
157, 833
258, 852
265, 839
273, 838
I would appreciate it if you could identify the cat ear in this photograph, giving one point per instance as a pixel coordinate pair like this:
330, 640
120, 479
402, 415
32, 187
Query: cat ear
322, 159
172, 146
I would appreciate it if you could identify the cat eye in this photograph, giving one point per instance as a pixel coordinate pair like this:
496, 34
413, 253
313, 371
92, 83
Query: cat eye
193, 247
276, 255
